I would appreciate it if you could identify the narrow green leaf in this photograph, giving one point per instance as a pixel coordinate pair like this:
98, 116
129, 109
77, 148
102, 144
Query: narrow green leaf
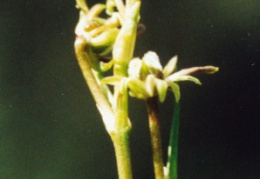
172, 161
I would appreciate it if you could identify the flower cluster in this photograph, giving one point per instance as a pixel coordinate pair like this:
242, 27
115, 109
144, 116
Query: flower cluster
147, 78
114, 32
99, 32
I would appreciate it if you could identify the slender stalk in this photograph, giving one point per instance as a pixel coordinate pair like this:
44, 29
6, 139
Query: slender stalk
85, 66
154, 125
122, 150
119, 132
114, 113
121, 136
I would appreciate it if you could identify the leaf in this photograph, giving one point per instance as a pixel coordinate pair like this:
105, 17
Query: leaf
172, 160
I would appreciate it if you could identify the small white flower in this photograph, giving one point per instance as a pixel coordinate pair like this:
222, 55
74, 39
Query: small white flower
147, 78
152, 61
134, 68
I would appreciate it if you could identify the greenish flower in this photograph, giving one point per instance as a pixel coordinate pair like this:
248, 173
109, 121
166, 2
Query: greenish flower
147, 78
100, 33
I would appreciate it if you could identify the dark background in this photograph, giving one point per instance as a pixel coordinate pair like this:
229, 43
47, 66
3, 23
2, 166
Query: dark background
49, 124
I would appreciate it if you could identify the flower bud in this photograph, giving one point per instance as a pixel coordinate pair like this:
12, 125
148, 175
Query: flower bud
103, 43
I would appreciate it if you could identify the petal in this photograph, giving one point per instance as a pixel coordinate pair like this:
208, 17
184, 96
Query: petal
150, 85
175, 77
110, 5
152, 60
81, 4
137, 88
161, 87
112, 80
170, 66
106, 66
137, 95
135, 67
210, 69
204, 69
95, 11
103, 43
175, 89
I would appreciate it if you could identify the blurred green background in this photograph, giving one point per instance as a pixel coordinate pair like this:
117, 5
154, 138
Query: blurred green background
49, 124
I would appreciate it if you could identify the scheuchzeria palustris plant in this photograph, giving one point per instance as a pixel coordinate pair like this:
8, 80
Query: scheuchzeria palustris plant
106, 42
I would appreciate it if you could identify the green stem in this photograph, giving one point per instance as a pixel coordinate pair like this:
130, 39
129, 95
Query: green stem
154, 125
96, 90
118, 129
122, 150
